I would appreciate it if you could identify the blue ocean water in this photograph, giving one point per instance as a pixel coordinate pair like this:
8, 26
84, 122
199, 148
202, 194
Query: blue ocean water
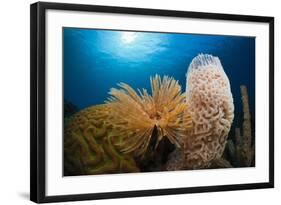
97, 60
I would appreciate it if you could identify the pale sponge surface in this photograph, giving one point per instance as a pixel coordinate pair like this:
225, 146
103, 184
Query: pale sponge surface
210, 105
211, 108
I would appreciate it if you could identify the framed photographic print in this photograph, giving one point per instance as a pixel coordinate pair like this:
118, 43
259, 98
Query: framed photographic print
129, 102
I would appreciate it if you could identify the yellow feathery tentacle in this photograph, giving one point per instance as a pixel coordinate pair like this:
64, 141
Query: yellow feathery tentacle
136, 115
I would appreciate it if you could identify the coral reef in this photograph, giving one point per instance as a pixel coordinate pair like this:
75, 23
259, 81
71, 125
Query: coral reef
134, 130
211, 108
105, 138
242, 152
155, 159
89, 144
136, 116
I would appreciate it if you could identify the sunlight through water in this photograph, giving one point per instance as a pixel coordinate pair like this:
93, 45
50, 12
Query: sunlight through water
128, 37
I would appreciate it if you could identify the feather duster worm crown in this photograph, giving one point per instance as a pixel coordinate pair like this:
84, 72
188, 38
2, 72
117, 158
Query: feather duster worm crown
136, 115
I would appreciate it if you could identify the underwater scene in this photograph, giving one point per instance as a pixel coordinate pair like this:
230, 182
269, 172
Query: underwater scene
137, 101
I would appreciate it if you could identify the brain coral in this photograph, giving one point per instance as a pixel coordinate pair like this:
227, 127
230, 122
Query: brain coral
89, 144
211, 108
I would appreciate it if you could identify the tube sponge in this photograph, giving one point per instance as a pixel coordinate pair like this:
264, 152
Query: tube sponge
211, 108
210, 105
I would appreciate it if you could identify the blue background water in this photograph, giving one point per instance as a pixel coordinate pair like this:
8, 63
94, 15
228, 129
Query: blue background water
96, 60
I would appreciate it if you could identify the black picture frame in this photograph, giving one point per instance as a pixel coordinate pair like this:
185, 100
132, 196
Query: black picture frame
38, 97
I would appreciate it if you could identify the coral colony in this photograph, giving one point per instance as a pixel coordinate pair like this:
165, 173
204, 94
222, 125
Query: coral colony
116, 137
